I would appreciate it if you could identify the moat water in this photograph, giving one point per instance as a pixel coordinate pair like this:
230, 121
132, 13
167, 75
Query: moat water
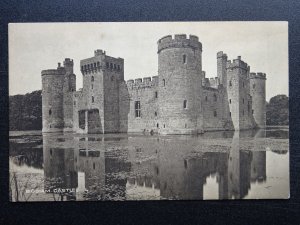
216, 165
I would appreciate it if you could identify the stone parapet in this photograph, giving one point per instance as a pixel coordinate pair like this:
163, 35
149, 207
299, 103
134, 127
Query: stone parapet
179, 41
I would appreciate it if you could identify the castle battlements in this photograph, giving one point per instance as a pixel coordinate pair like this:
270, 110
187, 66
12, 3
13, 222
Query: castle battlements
179, 100
179, 41
237, 63
221, 55
212, 82
145, 82
78, 94
101, 61
99, 52
68, 62
258, 76
59, 71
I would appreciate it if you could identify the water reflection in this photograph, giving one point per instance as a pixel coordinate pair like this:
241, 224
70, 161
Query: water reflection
220, 165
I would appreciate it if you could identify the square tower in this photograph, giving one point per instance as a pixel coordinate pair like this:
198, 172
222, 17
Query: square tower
239, 98
100, 94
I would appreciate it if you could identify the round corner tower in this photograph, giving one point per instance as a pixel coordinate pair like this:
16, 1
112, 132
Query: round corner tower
180, 90
52, 99
258, 93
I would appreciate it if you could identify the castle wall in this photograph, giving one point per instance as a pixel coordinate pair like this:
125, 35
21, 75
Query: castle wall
180, 85
213, 111
180, 100
146, 92
100, 93
124, 107
52, 100
92, 91
238, 89
258, 93
68, 89
111, 79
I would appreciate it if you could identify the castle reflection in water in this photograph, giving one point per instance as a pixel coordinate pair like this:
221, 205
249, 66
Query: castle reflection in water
153, 167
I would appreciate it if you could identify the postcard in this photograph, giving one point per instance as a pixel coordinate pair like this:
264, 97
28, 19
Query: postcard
119, 111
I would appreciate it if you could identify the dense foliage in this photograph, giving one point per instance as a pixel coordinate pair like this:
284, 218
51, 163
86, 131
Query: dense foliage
278, 110
25, 111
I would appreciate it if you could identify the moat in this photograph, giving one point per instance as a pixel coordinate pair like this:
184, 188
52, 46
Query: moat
215, 165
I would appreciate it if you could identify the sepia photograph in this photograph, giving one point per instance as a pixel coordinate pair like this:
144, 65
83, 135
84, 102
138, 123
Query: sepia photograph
126, 111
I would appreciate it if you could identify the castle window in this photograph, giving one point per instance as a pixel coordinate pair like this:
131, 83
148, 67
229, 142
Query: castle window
111, 65
184, 59
206, 99
92, 86
185, 104
243, 101
91, 65
94, 65
253, 85
50, 112
137, 108
98, 63
185, 125
164, 126
252, 111
107, 65
92, 78
157, 125
229, 101
215, 113
85, 67
81, 67
156, 94
93, 99
115, 66
230, 114
164, 82
215, 97
88, 66
230, 83
155, 113
119, 67
74, 102
185, 163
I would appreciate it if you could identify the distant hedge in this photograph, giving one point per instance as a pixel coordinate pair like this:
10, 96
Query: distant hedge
25, 111
278, 110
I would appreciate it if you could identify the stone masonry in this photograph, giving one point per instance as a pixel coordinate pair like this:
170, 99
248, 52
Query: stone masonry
180, 100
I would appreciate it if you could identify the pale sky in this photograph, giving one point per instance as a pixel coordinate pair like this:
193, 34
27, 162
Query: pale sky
34, 47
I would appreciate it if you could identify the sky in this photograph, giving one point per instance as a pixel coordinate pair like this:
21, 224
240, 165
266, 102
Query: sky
34, 47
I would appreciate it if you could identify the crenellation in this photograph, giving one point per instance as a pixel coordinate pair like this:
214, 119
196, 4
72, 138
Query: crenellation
147, 80
131, 81
140, 83
179, 100
155, 80
179, 41
237, 63
258, 75
52, 72
99, 52
179, 37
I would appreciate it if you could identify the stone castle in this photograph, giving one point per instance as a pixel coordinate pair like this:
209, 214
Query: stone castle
180, 100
